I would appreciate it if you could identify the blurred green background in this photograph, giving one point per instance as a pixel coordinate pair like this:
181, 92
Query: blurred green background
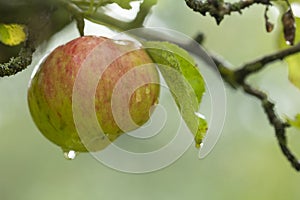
245, 164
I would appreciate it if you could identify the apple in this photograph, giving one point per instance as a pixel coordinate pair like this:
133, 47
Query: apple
124, 78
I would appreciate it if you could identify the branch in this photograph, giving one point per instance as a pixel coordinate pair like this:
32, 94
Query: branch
276, 122
259, 64
237, 77
145, 9
230, 76
218, 8
104, 19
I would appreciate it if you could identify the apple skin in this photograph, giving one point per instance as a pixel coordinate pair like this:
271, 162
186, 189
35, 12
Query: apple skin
51, 89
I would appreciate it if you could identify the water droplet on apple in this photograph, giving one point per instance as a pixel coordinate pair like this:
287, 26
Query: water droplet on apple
70, 155
147, 90
121, 42
138, 97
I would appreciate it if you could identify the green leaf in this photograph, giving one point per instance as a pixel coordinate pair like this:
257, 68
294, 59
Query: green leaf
185, 82
294, 60
294, 122
292, 1
294, 69
12, 34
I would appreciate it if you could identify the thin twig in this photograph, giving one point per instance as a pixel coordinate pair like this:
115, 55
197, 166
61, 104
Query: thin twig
104, 19
276, 122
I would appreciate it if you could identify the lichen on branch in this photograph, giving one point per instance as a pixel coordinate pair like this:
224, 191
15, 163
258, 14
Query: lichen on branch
218, 8
19, 63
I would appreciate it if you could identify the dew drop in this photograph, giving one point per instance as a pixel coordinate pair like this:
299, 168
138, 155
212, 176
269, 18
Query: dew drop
70, 155
199, 146
288, 42
199, 115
